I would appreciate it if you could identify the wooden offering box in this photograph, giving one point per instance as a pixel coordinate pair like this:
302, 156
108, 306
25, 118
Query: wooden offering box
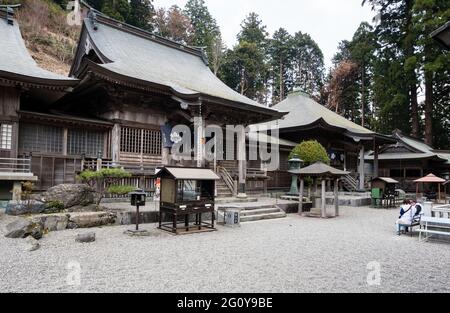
187, 194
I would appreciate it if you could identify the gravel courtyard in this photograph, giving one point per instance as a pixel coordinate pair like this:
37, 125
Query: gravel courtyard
288, 255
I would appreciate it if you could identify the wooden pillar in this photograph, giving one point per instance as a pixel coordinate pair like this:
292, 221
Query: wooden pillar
199, 133
15, 140
300, 196
439, 193
65, 140
362, 175
242, 159
17, 191
115, 144
324, 205
375, 159
345, 160
336, 197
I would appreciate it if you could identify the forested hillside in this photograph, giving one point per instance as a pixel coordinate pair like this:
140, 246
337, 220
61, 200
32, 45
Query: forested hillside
390, 75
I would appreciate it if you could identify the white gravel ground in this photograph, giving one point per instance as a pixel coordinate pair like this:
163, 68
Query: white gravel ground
288, 255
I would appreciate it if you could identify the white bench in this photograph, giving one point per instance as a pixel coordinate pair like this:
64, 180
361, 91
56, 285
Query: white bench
435, 222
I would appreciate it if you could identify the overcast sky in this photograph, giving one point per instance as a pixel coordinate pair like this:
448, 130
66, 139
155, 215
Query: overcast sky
327, 21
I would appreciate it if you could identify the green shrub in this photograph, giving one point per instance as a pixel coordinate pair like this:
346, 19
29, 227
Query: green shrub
55, 206
310, 152
106, 173
120, 190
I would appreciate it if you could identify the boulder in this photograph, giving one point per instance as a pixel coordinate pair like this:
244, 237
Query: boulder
32, 244
87, 208
69, 195
25, 207
55, 222
85, 238
37, 231
88, 220
22, 228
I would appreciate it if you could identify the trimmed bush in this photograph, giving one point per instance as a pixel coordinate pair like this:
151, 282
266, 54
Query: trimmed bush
120, 190
310, 152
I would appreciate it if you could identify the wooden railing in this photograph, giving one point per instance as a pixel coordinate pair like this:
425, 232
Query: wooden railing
227, 178
256, 173
350, 183
98, 164
15, 165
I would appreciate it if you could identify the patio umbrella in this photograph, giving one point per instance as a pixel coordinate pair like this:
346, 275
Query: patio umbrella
431, 179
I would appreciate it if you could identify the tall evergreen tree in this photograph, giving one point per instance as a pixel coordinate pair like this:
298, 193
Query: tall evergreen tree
280, 53
116, 9
254, 31
141, 14
308, 64
392, 88
428, 16
245, 68
206, 30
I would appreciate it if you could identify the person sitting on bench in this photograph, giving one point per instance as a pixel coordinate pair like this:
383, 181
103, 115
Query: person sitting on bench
410, 213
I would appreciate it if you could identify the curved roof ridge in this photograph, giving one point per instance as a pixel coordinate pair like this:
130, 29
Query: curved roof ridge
305, 111
16, 62
130, 54
102, 18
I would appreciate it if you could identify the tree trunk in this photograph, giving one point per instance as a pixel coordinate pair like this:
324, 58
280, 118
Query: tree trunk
412, 77
363, 96
281, 81
414, 112
429, 109
242, 81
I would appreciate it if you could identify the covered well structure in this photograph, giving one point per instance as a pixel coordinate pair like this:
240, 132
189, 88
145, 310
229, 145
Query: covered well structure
322, 172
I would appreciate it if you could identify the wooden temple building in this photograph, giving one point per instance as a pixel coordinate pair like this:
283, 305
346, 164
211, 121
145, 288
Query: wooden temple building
345, 141
125, 86
410, 159
125, 91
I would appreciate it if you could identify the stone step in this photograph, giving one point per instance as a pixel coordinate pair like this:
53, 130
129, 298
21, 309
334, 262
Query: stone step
259, 211
256, 206
224, 194
223, 188
260, 217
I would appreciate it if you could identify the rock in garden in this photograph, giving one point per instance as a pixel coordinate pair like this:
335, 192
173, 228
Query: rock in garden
25, 207
37, 231
70, 195
33, 244
85, 238
88, 220
22, 228
54, 222
87, 208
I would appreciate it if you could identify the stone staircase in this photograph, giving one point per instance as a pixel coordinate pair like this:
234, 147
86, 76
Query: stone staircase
350, 183
222, 190
255, 211
261, 212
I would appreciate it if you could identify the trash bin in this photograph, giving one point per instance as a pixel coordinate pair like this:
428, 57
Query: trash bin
232, 217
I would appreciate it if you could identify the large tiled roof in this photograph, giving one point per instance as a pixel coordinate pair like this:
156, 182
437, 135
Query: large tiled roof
415, 149
16, 62
304, 111
140, 55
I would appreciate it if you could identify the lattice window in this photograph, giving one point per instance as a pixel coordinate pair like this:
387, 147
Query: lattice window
152, 142
145, 141
87, 142
41, 138
6, 136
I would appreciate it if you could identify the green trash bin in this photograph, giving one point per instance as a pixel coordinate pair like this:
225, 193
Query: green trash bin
377, 196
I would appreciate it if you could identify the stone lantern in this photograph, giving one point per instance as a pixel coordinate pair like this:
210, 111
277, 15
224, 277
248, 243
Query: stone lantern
295, 164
